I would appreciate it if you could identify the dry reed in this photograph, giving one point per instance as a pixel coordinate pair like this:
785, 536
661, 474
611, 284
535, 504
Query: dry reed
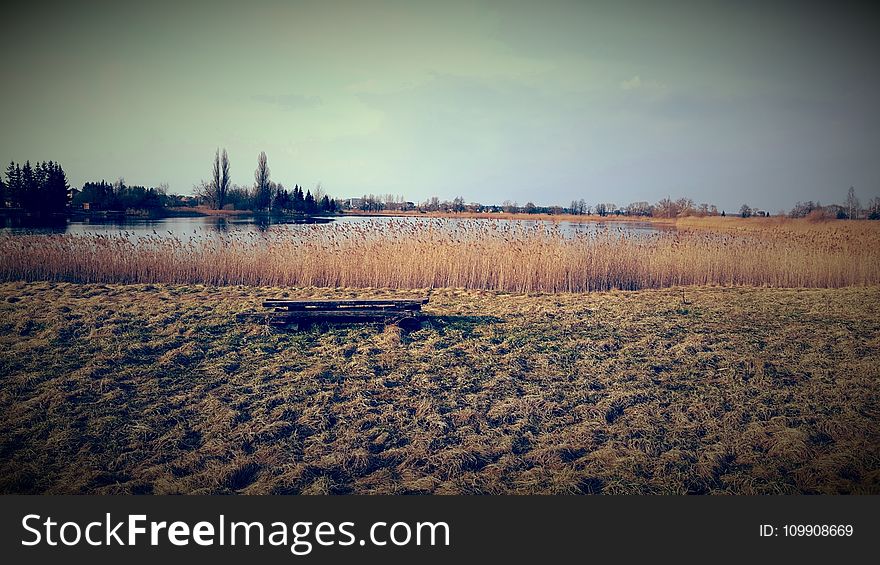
468, 254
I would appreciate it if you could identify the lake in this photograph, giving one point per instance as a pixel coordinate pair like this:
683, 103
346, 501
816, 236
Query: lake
185, 228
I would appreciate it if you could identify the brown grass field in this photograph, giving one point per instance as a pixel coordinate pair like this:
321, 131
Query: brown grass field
480, 256
154, 388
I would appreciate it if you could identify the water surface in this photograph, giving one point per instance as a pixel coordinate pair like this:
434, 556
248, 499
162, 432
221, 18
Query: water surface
185, 228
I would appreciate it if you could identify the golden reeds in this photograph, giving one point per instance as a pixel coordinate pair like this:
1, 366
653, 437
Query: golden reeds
466, 254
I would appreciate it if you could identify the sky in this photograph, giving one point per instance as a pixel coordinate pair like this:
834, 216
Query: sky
764, 103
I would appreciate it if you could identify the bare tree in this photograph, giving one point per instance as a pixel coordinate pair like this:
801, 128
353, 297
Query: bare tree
223, 186
215, 191
874, 208
216, 202
852, 204
204, 191
262, 189
319, 192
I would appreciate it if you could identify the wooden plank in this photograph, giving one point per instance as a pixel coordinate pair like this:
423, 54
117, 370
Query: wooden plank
348, 302
403, 304
329, 314
342, 314
292, 318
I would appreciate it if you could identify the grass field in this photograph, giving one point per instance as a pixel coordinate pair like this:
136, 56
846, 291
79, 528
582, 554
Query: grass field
155, 389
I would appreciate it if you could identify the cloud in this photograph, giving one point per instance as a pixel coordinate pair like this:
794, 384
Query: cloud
636, 83
631, 83
288, 101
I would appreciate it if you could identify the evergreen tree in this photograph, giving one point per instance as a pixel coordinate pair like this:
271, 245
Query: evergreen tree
281, 200
310, 205
13, 185
56, 188
298, 199
28, 193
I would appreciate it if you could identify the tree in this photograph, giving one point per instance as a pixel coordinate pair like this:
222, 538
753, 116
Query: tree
318, 192
41, 187
803, 209
684, 207
98, 195
262, 190
852, 204
641, 208
54, 187
13, 184
224, 179
583, 207
310, 204
28, 193
215, 182
666, 208
215, 192
297, 199
204, 193
281, 199
458, 204
601, 209
745, 211
874, 208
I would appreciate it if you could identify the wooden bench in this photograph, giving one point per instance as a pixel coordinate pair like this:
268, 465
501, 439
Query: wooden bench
302, 313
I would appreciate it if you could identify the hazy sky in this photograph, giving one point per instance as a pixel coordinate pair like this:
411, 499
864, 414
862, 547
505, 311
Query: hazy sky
546, 101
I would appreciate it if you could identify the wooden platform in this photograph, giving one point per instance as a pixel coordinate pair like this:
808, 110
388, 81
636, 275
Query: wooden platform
305, 312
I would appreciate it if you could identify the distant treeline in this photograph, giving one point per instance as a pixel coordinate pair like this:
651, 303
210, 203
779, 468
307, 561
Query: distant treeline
279, 200
41, 188
665, 208
103, 196
264, 196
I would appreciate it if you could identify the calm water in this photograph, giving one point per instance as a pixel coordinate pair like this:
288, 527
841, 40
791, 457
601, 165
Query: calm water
205, 226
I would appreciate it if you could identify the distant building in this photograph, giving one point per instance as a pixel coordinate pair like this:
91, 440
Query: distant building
352, 203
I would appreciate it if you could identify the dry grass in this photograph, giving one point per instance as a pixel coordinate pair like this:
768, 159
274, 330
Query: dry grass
154, 389
472, 255
867, 232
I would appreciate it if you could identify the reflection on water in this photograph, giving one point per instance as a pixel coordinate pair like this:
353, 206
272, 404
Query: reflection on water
52, 224
194, 225
205, 226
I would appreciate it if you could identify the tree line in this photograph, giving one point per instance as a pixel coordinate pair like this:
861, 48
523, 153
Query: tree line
264, 195
38, 188
850, 209
664, 208
43, 188
118, 196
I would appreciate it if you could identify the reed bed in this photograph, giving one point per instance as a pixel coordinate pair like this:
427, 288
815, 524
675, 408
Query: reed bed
466, 254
